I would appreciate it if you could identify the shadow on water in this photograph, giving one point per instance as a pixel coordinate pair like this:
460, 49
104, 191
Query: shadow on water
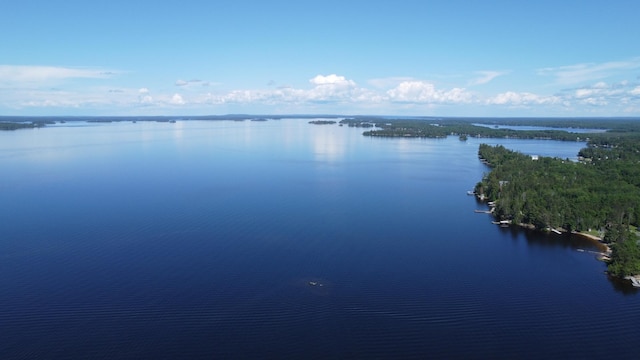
622, 286
550, 240
540, 239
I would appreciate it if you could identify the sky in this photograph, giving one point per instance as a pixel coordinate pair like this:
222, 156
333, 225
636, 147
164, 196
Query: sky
401, 57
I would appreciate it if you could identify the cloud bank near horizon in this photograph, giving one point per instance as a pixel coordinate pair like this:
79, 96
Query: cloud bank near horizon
575, 90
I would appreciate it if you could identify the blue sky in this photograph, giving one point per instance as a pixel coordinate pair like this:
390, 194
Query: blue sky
431, 58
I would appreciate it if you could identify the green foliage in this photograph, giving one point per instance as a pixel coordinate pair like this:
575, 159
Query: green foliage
322, 122
463, 127
625, 258
440, 129
603, 191
556, 193
19, 125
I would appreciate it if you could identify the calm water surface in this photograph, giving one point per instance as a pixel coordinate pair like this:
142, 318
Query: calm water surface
199, 239
527, 127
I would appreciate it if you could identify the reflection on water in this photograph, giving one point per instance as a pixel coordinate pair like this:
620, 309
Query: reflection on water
552, 240
210, 239
327, 146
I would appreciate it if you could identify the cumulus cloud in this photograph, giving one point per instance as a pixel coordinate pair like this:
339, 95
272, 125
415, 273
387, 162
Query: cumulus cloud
177, 99
143, 96
334, 89
323, 92
332, 79
269, 97
611, 97
424, 92
146, 99
604, 94
330, 88
325, 89
522, 98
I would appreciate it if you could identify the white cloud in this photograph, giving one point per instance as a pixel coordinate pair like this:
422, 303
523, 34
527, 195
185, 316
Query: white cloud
146, 100
330, 88
332, 79
177, 99
581, 93
143, 96
323, 93
486, 76
578, 73
326, 89
31, 74
424, 92
243, 96
602, 94
595, 102
522, 98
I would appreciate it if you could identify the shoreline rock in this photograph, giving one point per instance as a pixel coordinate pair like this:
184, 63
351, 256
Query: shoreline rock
635, 280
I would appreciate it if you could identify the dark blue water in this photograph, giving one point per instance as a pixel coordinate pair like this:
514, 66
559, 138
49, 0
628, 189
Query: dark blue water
200, 239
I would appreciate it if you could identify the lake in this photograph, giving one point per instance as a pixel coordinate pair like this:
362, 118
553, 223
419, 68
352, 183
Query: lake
528, 127
281, 239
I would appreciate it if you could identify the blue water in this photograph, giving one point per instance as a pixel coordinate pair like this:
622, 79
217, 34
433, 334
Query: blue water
199, 239
528, 127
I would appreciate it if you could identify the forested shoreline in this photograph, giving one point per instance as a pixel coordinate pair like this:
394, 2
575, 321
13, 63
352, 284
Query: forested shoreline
609, 128
20, 125
599, 193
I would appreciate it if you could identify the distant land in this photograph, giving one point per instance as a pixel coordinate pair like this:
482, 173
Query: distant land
621, 123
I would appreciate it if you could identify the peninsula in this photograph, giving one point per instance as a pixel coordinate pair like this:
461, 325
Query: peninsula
597, 196
600, 193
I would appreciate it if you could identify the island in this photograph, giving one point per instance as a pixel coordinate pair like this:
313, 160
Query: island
322, 122
30, 122
461, 127
13, 125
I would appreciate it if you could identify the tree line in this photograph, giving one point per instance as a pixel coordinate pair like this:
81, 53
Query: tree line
456, 127
601, 191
